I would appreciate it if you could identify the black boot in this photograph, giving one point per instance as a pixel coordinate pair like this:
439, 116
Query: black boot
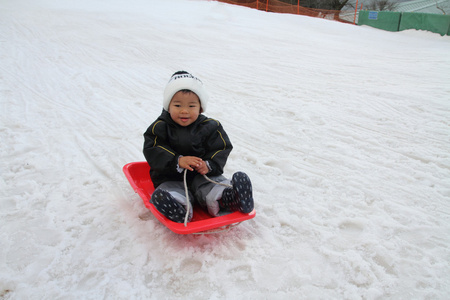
168, 206
229, 200
240, 197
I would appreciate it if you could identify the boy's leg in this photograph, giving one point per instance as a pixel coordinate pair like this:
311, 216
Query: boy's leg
208, 194
170, 200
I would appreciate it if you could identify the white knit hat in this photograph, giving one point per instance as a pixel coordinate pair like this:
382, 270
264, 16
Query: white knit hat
183, 80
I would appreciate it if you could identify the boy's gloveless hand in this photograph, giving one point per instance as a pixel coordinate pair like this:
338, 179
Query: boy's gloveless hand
203, 168
192, 162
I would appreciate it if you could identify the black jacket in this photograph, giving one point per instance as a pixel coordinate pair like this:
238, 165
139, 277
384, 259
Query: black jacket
165, 141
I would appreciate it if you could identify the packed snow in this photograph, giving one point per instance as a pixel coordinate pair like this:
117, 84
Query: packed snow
344, 131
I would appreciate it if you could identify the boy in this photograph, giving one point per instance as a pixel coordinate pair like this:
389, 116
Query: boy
183, 138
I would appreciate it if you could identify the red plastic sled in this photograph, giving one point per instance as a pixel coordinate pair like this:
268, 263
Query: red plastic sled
138, 175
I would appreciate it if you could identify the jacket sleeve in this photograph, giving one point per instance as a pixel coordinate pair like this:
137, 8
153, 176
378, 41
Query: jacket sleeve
218, 148
157, 150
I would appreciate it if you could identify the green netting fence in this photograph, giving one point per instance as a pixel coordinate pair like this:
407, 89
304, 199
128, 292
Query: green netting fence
397, 21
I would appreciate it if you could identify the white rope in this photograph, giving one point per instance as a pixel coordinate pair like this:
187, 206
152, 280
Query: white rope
219, 183
188, 202
188, 205
217, 230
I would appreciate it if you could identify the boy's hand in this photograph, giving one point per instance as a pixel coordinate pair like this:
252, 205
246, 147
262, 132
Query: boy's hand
193, 163
189, 162
203, 168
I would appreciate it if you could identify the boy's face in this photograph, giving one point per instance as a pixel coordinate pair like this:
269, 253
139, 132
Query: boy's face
184, 108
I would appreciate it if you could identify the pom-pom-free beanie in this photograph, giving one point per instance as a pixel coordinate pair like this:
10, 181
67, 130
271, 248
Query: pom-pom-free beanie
183, 80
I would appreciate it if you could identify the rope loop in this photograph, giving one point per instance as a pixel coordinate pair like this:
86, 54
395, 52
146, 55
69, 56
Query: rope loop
188, 204
219, 183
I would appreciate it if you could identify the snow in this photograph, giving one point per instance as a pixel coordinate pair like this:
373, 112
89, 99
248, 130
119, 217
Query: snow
344, 131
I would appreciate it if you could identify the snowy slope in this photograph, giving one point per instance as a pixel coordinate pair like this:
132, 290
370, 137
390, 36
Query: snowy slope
344, 131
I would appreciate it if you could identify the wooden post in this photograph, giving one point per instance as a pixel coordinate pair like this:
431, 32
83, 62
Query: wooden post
267, 6
298, 7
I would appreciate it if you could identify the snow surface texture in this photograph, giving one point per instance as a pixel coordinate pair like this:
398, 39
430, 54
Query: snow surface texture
344, 131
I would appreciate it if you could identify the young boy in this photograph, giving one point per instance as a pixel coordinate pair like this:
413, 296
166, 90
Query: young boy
183, 138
